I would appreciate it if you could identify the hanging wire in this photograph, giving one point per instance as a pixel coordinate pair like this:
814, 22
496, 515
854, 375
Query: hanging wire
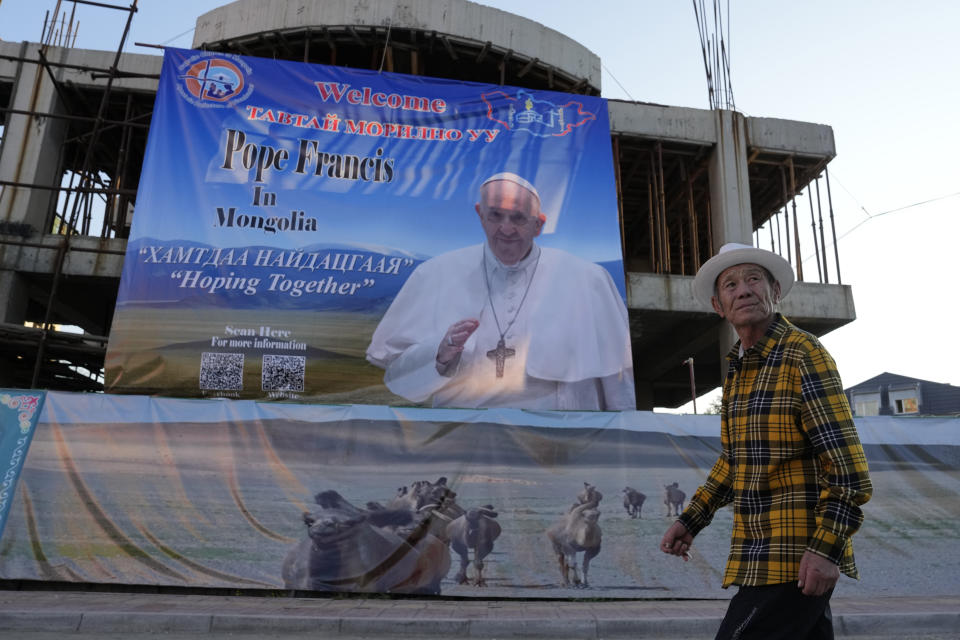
179, 35
715, 49
610, 73
871, 216
386, 45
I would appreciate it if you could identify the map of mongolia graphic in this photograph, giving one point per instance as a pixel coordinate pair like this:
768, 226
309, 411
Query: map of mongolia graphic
538, 117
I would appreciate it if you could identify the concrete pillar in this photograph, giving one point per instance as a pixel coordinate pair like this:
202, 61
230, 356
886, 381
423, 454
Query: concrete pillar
730, 209
13, 298
729, 182
31, 147
644, 395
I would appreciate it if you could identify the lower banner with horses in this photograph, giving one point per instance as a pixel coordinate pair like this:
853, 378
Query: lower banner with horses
135, 490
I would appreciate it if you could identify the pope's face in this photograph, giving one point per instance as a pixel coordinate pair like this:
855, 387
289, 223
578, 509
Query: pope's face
745, 296
510, 216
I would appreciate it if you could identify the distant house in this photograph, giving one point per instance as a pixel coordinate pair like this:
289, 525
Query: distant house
889, 394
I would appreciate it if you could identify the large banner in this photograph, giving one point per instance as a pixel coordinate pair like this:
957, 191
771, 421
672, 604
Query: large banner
202, 493
284, 206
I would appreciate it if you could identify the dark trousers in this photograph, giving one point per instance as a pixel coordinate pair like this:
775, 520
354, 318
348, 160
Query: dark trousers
777, 612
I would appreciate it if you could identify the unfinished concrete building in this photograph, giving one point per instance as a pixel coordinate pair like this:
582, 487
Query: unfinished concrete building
75, 126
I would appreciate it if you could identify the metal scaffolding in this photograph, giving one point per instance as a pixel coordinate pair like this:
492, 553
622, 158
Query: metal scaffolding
94, 185
663, 189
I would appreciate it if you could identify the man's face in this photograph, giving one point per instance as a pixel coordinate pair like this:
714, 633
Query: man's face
510, 216
745, 297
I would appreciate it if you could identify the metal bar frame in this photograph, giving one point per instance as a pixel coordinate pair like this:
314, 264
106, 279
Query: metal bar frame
83, 67
85, 170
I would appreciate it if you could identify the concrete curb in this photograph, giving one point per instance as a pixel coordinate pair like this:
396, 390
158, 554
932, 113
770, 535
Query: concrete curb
101, 622
532, 628
242, 623
100, 614
40, 621
849, 625
664, 628
895, 625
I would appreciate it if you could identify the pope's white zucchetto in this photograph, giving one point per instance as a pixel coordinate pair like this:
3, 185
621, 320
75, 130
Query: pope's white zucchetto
515, 179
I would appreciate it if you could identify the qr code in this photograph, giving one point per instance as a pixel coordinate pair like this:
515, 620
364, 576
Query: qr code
221, 371
283, 373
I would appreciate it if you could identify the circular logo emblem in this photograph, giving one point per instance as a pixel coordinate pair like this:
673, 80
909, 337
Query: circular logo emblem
214, 79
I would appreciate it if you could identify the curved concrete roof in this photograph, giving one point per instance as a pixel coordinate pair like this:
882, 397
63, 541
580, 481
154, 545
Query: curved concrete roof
459, 19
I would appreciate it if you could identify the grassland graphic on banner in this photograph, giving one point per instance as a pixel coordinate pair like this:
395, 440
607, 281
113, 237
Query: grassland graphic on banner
135, 490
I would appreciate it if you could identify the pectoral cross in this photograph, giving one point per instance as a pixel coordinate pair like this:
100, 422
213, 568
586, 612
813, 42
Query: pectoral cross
500, 354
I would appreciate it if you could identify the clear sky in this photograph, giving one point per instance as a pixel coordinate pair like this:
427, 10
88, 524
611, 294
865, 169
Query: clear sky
885, 75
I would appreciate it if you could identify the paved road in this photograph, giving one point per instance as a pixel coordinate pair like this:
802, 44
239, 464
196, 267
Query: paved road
42, 615
146, 635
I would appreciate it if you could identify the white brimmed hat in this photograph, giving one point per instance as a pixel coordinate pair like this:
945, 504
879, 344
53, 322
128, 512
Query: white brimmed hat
732, 254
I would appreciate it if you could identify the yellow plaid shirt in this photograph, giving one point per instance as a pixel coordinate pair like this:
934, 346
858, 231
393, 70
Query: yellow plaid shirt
791, 461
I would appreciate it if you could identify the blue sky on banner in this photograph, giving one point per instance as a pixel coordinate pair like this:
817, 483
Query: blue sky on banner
880, 72
419, 198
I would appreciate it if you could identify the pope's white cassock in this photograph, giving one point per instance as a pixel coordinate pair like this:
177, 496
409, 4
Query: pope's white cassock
561, 315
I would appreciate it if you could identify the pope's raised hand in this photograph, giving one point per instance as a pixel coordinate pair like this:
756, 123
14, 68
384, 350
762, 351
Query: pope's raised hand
451, 346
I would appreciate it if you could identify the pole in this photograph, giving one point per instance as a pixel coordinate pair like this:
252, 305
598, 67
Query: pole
693, 384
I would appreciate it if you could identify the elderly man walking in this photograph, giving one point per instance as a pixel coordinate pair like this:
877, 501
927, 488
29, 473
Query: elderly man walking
791, 461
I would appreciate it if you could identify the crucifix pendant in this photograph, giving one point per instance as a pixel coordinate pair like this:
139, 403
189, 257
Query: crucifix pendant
500, 355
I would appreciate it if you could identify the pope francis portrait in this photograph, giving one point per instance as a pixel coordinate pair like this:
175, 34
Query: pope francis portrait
508, 323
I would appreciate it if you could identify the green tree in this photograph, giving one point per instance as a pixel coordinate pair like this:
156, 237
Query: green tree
714, 407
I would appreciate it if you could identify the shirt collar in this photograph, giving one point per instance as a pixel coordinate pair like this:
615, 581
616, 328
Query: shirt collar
494, 265
766, 343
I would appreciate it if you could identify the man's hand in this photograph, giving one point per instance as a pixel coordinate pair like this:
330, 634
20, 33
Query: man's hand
677, 541
817, 574
452, 344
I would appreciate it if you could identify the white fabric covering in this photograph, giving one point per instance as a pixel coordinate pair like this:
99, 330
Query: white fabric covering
571, 334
